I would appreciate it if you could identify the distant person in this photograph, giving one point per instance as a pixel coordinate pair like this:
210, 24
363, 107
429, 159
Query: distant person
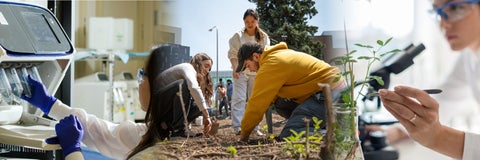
229, 92
218, 96
243, 80
223, 102
285, 73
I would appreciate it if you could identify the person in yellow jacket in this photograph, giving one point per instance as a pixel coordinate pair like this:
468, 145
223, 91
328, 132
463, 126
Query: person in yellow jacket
283, 73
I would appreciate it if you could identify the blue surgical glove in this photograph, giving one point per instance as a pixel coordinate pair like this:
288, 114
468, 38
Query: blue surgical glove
69, 135
40, 97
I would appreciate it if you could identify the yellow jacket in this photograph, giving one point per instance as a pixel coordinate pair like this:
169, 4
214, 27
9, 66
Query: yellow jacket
288, 74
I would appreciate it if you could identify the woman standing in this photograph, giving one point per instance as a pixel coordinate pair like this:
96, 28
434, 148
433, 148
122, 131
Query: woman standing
243, 81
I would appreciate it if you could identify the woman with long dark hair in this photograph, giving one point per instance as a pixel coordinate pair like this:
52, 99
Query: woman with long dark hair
176, 96
243, 81
158, 96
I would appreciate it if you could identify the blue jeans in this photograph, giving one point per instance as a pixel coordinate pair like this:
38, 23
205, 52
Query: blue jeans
314, 106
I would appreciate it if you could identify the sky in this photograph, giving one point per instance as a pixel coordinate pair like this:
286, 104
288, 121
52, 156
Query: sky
195, 18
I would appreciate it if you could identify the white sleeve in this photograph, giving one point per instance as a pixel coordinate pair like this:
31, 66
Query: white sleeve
110, 139
471, 150
190, 76
266, 41
235, 45
456, 93
77, 155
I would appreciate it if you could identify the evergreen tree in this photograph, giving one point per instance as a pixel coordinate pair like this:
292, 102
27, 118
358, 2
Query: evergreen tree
286, 20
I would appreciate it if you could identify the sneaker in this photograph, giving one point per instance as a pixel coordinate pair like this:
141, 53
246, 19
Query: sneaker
259, 133
237, 131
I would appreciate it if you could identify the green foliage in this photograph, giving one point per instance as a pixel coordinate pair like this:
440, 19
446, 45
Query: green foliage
232, 150
347, 61
296, 143
286, 20
345, 128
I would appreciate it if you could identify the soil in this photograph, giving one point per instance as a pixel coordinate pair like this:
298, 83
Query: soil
225, 141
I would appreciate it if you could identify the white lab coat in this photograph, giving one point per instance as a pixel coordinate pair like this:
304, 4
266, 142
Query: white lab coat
462, 92
110, 139
461, 88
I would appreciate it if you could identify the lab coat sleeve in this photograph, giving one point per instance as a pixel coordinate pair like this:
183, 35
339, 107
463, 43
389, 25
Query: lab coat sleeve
110, 139
75, 156
471, 150
455, 92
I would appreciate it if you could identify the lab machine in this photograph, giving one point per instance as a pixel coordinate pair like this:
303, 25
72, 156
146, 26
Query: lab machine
32, 42
93, 94
131, 94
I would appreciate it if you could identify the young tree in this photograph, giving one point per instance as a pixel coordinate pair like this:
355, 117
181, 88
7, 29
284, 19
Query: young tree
286, 20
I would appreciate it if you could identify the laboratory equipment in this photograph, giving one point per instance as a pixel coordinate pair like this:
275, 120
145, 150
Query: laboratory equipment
373, 143
132, 99
32, 42
93, 94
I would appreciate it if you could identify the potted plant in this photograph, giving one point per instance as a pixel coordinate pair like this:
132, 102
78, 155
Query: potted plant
346, 141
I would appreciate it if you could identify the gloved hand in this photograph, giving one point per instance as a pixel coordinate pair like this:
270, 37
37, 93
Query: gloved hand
40, 97
69, 135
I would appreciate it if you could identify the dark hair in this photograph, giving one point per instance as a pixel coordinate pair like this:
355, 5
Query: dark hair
153, 119
248, 48
245, 52
259, 33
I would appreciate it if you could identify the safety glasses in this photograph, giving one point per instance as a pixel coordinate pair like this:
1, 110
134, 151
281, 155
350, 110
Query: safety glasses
454, 11
140, 74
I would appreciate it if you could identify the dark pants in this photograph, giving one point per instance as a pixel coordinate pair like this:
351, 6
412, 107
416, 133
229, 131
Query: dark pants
172, 107
314, 106
223, 104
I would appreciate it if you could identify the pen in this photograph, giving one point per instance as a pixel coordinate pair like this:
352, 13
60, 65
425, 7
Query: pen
429, 91
433, 91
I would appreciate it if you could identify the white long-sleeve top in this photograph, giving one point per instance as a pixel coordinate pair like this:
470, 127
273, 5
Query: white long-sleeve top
187, 72
110, 139
239, 38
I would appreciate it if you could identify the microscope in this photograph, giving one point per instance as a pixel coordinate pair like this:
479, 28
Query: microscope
374, 143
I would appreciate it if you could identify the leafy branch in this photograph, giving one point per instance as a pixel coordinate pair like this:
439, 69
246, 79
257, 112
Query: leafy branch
347, 62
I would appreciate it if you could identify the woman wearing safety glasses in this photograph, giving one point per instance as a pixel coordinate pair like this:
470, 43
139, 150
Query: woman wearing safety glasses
418, 112
166, 110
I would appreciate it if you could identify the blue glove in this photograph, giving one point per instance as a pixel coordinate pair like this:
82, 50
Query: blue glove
69, 135
40, 97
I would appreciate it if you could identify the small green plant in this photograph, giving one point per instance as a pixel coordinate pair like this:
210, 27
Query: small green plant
299, 145
271, 137
347, 62
232, 150
345, 128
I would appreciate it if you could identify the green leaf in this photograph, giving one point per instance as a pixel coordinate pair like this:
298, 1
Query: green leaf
364, 57
378, 79
232, 150
388, 40
380, 42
